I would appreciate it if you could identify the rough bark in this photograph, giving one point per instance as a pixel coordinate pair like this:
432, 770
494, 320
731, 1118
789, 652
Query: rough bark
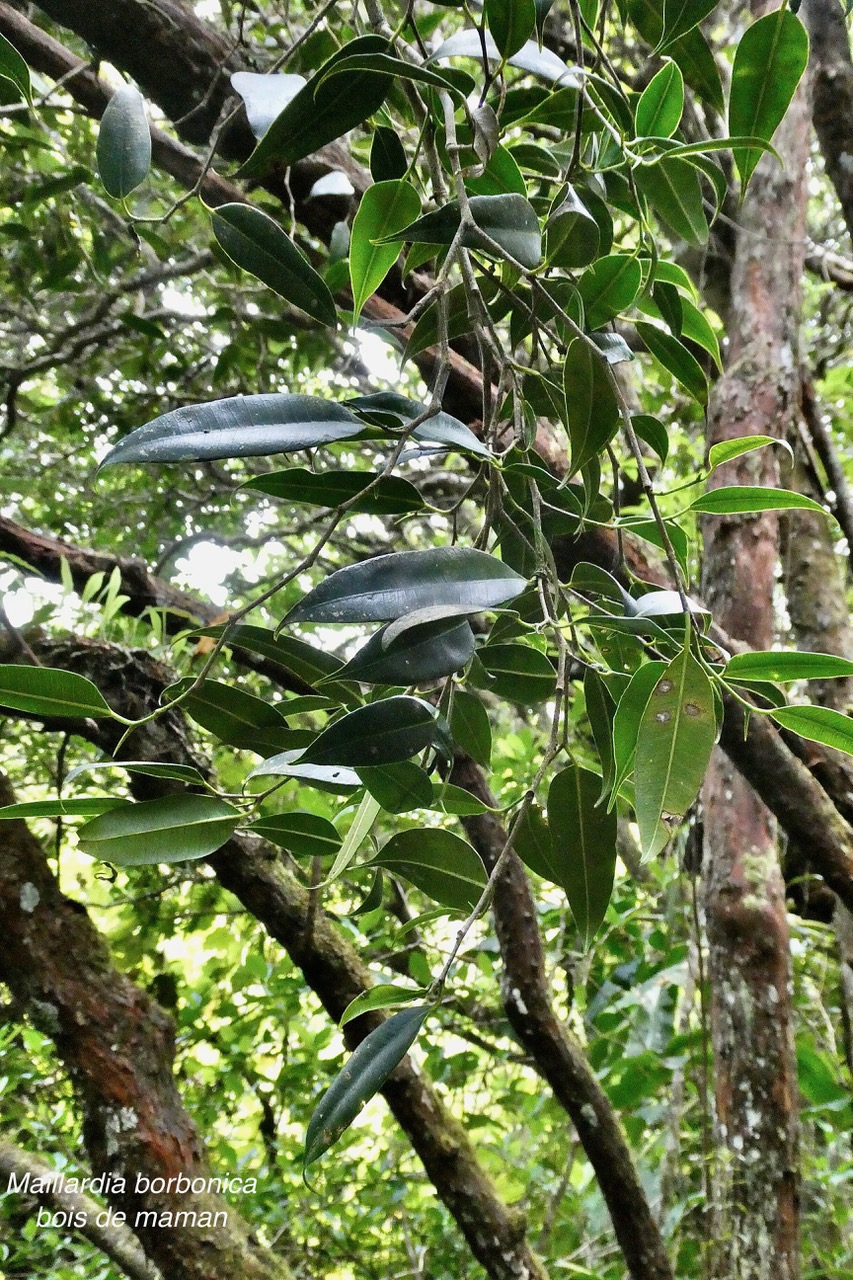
114, 1240
251, 869
555, 1052
749, 963
832, 112
117, 1045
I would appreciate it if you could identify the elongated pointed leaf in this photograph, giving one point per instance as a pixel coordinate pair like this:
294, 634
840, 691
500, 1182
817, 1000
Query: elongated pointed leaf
388, 159
305, 835
148, 768
584, 840
658, 112
399, 787
72, 807
390, 496
626, 721
321, 112
124, 143
731, 499
818, 724
784, 665
239, 427
726, 450
469, 724
386, 65
422, 653
600, 710
675, 358
233, 714
511, 23
47, 692
609, 287
440, 428
510, 220
255, 242
14, 68
592, 411
389, 586
518, 672
384, 995
442, 865
172, 829
385, 208
680, 16
380, 733
304, 662
676, 735
770, 59
673, 190
573, 236
363, 1076
540, 62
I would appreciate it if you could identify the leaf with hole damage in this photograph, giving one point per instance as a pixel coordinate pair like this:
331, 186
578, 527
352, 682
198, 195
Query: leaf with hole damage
583, 835
124, 143
171, 829
387, 587
439, 863
676, 734
254, 241
365, 1073
238, 427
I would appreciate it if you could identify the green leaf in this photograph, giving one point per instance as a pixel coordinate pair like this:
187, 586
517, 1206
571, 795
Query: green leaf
148, 768
388, 159
680, 16
653, 432
72, 807
383, 407
731, 499
674, 743
469, 724
769, 61
305, 835
519, 673
322, 111
626, 721
233, 714
390, 496
400, 787
676, 359
48, 692
255, 242
390, 586
510, 220
172, 829
511, 23
124, 143
673, 190
728, 449
238, 427
386, 65
383, 996
661, 103
385, 208
440, 864
818, 724
600, 710
14, 68
422, 653
592, 411
572, 234
782, 666
380, 733
289, 764
363, 1076
609, 287
584, 842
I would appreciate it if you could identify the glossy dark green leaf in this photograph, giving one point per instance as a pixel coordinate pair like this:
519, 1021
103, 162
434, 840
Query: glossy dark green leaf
390, 586
233, 714
148, 768
731, 499
385, 208
673, 190
399, 787
519, 673
439, 863
384, 995
363, 1076
626, 722
373, 899
72, 807
171, 829
769, 61
305, 662
239, 427
676, 359
592, 411
534, 846
676, 734
255, 242
511, 23
322, 111
388, 159
680, 16
818, 724
600, 710
508, 219
653, 432
384, 407
690, 51
290, 764
783, 665
583, 835
47, 692
469, 724
380, 733
124, 143
14, 68
573, 237
421, 653
385, 65
305, 835
609, 287
390, 496
658, 112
